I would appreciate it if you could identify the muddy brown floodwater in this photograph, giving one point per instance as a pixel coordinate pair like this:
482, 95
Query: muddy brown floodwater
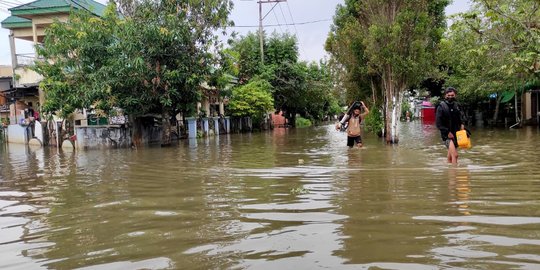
286, 199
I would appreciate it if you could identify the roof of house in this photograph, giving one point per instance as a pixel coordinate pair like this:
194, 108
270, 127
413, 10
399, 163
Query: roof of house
12, 22
55, 6
41, 7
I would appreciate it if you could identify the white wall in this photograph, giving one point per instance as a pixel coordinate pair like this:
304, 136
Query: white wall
17, 134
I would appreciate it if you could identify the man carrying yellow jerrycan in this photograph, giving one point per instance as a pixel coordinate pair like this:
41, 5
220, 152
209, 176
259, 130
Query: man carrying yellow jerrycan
450, 121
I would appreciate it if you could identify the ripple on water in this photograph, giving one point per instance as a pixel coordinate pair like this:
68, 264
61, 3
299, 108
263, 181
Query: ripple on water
154, 263
493, 240
483, 219
299, 217
528, 257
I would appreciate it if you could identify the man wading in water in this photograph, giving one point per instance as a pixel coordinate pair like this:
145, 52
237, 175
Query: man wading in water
449, 119
353, 126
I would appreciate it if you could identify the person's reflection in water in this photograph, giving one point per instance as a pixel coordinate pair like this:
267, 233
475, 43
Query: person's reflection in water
460, 189
354, 159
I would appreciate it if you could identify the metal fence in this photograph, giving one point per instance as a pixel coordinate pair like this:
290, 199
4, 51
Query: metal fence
27, 59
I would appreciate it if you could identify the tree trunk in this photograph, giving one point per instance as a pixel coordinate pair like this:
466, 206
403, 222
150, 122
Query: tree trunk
166, 128
392, 107
519, 115
497, 105
136, 135
51, 133
373, 92
291, 118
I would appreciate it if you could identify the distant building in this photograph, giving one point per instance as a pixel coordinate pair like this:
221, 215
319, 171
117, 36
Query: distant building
6, 83
28, 22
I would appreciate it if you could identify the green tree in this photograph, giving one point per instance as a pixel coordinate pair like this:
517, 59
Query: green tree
80, 50
494, 48
351, 72
290, 89
519, 21
253, 99
150, 62
320, 100
168, 46
246, 50
287, 76
298, 87
392, 42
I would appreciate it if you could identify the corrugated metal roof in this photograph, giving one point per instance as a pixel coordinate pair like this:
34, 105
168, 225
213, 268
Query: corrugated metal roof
16, 22
15, 19
41, 7
53, 6
40, 4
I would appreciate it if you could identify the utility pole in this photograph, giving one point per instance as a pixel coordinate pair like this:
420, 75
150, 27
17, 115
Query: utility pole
261, 32
261, 18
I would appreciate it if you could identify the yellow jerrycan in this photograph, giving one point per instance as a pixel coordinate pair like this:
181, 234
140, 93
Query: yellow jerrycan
462, 140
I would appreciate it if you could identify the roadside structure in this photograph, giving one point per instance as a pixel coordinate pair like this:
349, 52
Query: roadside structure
6, 83
29, 22
86, 130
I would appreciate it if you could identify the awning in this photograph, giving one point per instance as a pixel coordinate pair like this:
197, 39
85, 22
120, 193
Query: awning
426, 104
507, 96
21, 92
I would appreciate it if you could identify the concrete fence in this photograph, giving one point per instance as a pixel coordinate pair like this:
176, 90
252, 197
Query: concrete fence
118, 136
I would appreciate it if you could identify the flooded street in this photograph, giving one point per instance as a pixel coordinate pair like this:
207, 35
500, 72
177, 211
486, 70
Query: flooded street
286, 199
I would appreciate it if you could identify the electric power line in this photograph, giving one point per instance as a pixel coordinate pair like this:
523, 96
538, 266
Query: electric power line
275, 15
270, 10
284, 19
3, 5
15, 2
276, 25
290, 13
7, 4
294, 25
10, 4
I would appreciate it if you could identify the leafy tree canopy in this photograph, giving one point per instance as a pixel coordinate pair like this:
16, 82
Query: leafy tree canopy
493, 48
297, 87
151, 61
253, 99
387, 46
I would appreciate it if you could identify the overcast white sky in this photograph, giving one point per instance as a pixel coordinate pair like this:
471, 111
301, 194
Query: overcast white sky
312, 18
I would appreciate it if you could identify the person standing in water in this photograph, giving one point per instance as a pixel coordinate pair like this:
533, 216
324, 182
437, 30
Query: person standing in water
449, 119
353, 122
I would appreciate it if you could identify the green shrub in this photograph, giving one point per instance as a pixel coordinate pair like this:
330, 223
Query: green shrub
302, 122
374, 121
405, 107
435, 101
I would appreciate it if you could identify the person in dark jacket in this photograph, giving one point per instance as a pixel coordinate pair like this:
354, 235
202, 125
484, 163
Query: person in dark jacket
449, 119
